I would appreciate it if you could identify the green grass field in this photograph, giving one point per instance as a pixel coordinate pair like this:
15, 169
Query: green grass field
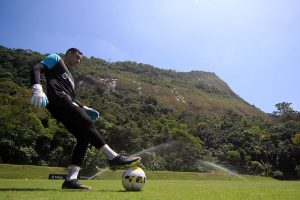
160, 185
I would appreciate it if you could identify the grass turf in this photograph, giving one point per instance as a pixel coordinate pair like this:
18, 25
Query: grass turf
30, 182
154, 189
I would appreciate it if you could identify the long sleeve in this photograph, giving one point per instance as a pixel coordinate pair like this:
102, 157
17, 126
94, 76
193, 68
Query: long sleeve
78, 103
35, 73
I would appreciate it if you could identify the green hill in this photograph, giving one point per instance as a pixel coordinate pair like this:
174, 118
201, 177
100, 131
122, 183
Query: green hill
196, 92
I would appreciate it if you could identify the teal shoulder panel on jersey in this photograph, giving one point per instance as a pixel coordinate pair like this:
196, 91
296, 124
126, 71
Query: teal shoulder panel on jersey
51, 60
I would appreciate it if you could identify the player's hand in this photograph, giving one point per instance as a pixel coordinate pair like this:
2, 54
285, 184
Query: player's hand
93, 114
39, 98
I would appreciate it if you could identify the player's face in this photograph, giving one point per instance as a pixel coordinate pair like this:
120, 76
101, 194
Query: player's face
75, 57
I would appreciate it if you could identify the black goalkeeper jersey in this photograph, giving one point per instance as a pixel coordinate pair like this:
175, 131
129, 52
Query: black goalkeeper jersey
59, 80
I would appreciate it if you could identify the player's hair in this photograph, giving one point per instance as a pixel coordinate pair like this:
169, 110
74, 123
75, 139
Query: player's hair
73, 50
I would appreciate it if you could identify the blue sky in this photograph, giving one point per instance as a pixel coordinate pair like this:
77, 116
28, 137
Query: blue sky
253, 45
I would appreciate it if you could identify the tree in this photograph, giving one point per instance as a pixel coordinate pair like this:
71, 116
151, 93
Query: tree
296, 140
283, 108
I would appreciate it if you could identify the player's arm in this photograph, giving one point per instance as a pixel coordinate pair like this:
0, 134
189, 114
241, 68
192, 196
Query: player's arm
35, 73
78, 103
39, 98
93, 114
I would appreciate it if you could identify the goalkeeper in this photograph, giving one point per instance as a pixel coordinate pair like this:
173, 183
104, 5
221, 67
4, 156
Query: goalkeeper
77, 118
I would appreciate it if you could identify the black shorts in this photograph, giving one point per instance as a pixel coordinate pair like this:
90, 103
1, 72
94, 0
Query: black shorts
76, 121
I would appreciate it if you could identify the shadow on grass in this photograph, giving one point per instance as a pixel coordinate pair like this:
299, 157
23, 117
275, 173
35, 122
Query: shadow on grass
95, 190
44, 189
124, 191
26, 189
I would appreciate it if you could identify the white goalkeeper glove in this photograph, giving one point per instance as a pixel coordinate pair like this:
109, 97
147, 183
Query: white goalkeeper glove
39, 98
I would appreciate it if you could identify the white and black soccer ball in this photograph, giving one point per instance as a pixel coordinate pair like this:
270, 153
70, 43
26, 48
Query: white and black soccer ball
134, 179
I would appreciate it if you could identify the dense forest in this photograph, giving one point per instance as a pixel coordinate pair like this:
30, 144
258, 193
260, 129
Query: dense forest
136, 114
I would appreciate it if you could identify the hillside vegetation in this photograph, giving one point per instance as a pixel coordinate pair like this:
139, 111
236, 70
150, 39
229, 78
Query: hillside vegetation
190, 116
197, 91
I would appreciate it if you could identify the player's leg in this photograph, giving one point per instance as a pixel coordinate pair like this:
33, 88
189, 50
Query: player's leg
71, 181
66, 115
81, 123
83, 128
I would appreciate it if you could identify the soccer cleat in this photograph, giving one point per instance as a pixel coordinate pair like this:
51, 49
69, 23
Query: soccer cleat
74, 184
120, 162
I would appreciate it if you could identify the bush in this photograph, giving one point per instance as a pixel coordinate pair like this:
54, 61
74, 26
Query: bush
278, 174
297, 169
256, 168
